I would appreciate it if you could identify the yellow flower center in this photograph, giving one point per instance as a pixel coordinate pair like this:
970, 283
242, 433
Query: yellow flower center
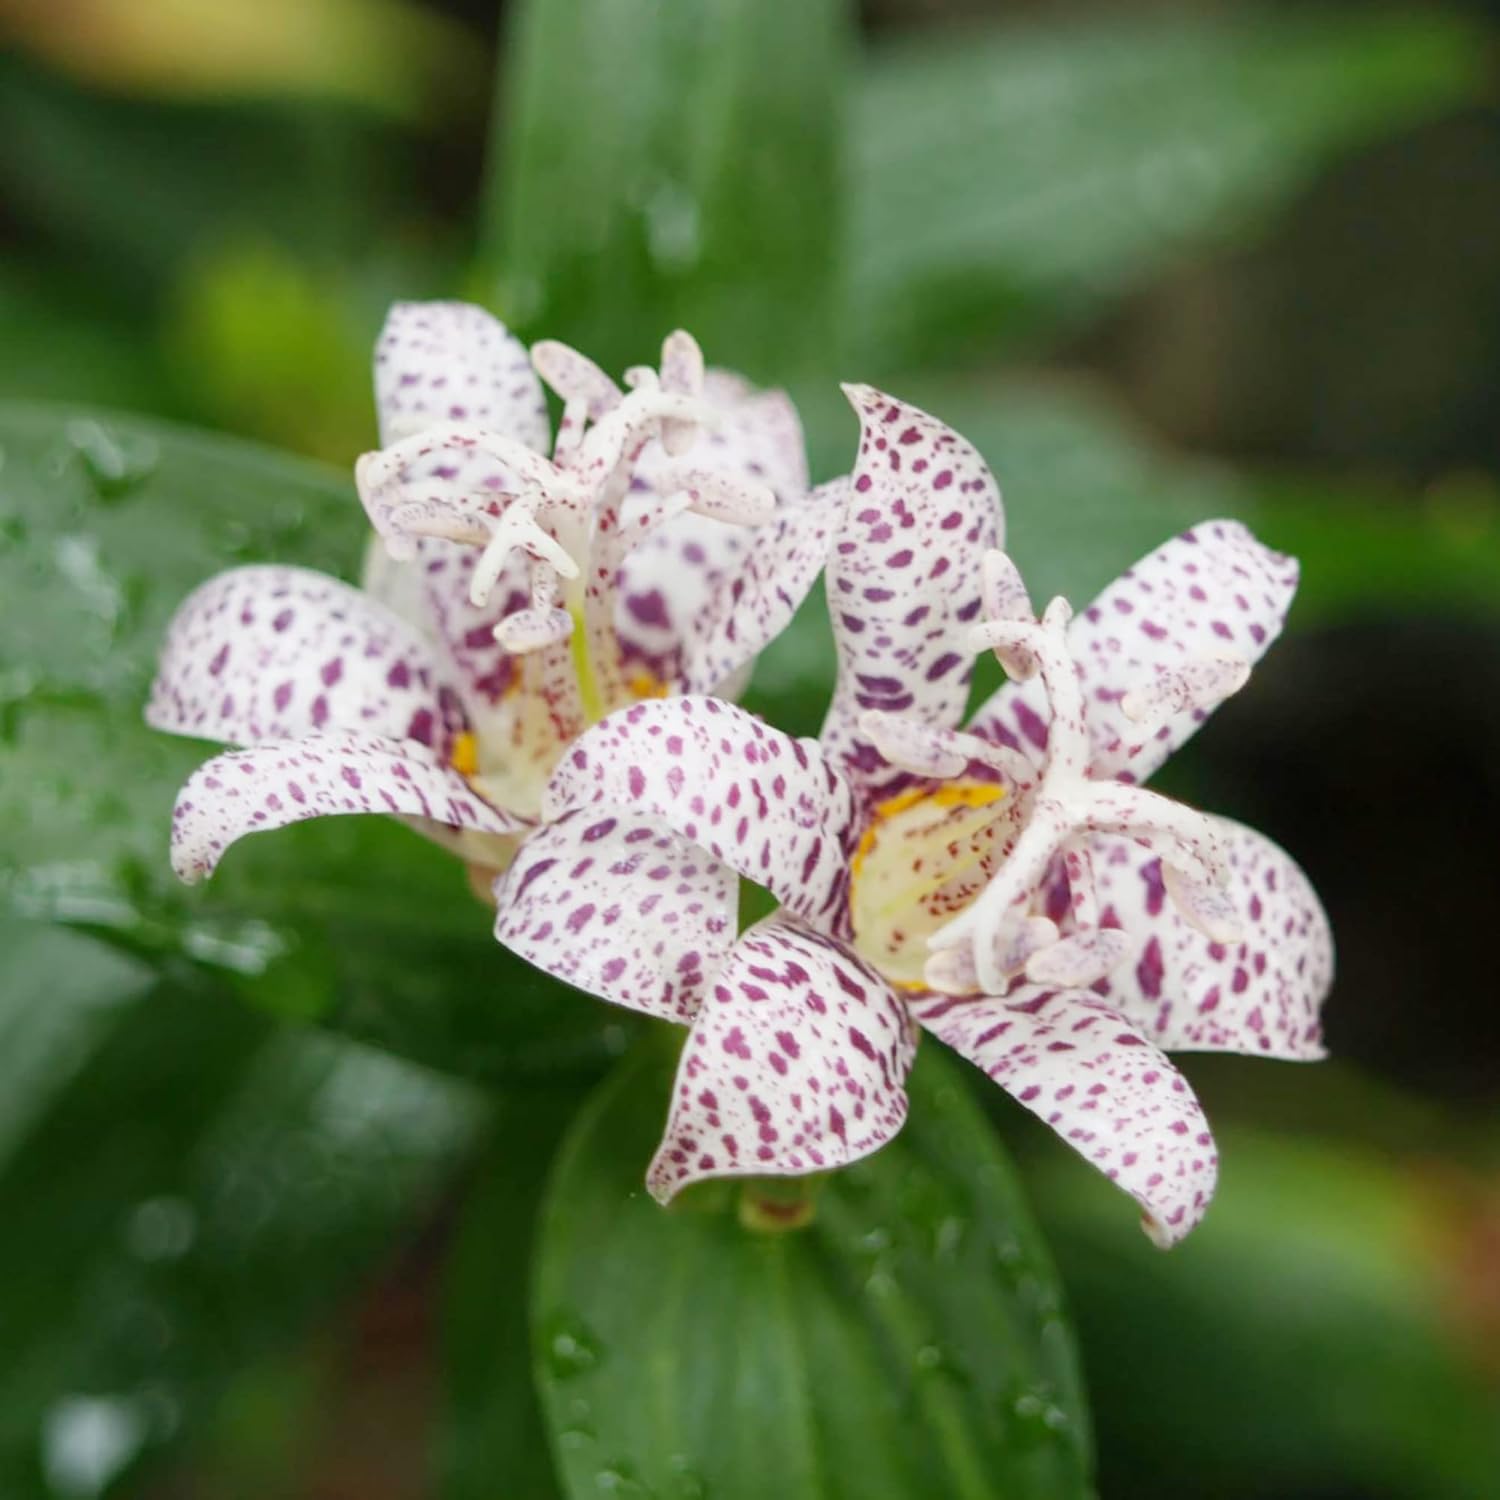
925, 855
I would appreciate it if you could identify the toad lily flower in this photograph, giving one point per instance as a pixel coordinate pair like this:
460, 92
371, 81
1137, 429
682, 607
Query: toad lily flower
516, 598
1009, 888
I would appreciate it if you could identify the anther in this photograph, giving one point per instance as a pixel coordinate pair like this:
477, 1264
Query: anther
1202, 683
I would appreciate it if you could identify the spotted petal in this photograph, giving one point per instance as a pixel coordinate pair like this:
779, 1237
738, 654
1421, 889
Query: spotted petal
796, 1063
270, 786
1211, 593
904, 577
667, 581
676, 576
756, 599
620, 908
272, 653
764, 804
453, 362
1260, 994
1074, 1062
757, 436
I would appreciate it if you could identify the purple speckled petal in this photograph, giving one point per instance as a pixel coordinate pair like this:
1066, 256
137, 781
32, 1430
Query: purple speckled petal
668, 580
1260, 994
757, 437
755, 600
764, 804
673, 579
905, 577
1076, 1063
453, 362
796, 1063
272, 653
270, 786
621, 908
1212, 592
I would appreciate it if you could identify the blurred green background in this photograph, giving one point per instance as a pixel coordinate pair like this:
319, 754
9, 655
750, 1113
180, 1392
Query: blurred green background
270, 1152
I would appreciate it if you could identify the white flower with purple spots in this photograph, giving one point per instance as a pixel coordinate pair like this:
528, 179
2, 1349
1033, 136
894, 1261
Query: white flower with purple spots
512, 598
1010, 887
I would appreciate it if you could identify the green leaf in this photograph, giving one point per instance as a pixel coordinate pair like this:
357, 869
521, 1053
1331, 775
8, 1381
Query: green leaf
491, 1424
1335, 1292
1011, 181
191, 1184
105, 525
658, 165
910, 1342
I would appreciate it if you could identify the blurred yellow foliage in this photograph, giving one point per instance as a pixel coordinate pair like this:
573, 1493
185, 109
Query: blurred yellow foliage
389, 55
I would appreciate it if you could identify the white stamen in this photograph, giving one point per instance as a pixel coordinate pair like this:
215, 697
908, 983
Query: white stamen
1069, 806
516, 529
1014, 951
1004, 590
1113, 807
1080, 960
724, 497
1203, 683
575, 377
910, 745
928, 750
951, 972
681, 373
532, 629
1206, 907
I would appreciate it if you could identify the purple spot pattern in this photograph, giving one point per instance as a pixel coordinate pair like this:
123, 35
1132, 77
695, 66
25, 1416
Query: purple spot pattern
1259, 996
1213, 590
273, 653
685, 586
757, 597
766, 805
271, 786
796, 1063
620, 908
453, 362
465, 634
1100, 1084
904, 577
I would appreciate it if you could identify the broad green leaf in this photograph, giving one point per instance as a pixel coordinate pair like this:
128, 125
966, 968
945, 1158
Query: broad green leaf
105, 525
1333, 1292
492, 1440
197, 1185
1009, 181
911, 1341
657, 165
59, 993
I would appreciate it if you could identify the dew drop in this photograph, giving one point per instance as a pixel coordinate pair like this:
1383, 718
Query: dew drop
686, 1482
115, 463
570, 1348
620, 1479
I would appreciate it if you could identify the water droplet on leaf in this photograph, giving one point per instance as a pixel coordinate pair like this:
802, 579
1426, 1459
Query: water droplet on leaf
571, 1349
116, 463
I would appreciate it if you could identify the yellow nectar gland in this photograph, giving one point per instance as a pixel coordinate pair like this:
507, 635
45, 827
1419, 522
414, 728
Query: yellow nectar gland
464, 757
645, 684
925, 855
